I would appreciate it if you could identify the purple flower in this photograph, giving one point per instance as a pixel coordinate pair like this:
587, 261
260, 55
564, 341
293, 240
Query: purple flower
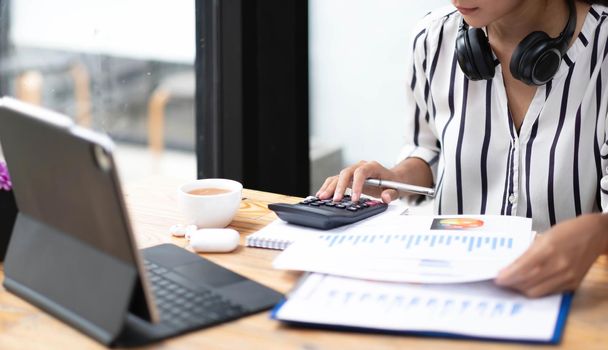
5, 179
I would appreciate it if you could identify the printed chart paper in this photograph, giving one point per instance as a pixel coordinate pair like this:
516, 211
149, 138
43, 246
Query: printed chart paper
472, 309
415, 249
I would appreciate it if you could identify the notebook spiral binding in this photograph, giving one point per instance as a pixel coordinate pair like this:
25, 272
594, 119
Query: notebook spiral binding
268, 243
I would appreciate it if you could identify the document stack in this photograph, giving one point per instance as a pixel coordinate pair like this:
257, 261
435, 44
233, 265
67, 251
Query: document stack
429, 275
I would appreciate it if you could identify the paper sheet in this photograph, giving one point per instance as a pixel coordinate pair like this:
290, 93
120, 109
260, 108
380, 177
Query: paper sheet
415, 249
473, 309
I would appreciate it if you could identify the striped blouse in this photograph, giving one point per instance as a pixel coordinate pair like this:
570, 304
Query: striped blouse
555, 168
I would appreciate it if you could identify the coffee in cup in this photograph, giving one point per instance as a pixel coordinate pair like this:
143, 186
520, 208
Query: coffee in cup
208, 191
210, 203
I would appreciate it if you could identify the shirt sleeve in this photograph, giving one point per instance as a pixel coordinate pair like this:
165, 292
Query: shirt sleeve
420, 139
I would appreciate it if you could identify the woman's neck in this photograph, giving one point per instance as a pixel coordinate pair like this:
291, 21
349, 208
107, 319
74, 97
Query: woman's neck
549, 16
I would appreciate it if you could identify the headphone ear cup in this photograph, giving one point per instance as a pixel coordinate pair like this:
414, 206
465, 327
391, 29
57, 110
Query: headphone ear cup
481, 53
527, 54
463, 54
474, 54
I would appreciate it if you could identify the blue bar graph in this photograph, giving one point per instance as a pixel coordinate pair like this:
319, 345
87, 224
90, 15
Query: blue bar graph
436, 305
470, 242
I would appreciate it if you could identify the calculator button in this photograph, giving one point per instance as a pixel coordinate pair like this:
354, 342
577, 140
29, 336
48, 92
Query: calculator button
315, 204
352, 208
330, 204
358, 206
365, 205
340, 205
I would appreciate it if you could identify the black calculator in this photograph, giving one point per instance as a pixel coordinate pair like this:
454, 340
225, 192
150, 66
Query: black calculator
327, 214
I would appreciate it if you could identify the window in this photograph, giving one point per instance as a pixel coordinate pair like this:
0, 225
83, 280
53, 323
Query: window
124, 67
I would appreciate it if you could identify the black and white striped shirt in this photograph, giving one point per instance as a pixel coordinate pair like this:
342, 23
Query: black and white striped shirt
551, 170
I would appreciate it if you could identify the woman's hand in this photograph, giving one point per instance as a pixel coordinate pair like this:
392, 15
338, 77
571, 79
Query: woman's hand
559, 259
355, 176
411, 170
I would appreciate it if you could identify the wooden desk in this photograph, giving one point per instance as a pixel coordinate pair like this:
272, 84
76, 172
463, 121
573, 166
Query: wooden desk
152, 204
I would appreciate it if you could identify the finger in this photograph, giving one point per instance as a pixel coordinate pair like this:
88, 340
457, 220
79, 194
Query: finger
526, 265
558, 266
328, 187
322, 188
539, 276
557, 283
389, 195
343, 182
521, 279
359, 176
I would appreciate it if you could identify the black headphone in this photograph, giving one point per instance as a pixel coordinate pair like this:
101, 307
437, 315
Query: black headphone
535, 60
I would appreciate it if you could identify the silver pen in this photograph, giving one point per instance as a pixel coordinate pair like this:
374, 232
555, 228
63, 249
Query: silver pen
401, 187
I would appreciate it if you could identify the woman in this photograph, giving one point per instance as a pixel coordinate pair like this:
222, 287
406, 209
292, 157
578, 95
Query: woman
499, 126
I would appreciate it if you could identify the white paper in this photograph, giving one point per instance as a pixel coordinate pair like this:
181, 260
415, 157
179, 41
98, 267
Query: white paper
415, 249
474, 309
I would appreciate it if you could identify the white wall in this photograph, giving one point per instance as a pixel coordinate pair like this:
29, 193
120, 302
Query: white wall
147, 29
358, 55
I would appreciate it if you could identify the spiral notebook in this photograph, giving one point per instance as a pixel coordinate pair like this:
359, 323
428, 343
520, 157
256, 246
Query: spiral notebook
279, 234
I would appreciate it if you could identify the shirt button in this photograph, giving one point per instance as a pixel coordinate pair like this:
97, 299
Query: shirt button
512, 198
604, 149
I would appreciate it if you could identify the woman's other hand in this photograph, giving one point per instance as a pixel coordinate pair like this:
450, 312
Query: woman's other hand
559, 259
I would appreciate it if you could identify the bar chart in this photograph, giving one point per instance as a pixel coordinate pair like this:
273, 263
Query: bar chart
470, 242
476, 309
400, 253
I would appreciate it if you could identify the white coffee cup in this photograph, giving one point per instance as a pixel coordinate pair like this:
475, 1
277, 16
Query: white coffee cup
210, 210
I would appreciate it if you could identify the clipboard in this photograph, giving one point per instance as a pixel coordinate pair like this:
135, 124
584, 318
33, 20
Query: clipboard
309, 321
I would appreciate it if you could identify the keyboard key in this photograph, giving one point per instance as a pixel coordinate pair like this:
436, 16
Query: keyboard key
160, 270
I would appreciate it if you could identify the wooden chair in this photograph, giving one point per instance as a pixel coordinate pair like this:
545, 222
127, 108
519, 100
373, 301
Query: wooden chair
177, 86
29, 84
